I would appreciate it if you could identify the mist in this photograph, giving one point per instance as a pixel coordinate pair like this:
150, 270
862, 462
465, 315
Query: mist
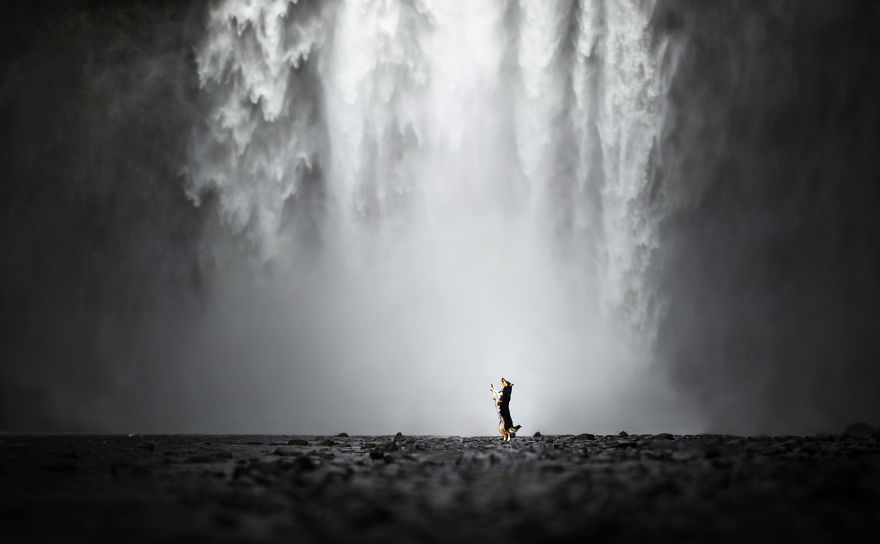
325, 217
769, 238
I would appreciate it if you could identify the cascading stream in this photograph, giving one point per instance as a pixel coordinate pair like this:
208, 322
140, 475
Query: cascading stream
446, 185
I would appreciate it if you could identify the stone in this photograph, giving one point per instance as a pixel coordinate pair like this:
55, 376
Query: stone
697, 486
199, 459
663, 436
305, 463
297, 442
342, 435
586, 436
537, 434
859, 430
623, 433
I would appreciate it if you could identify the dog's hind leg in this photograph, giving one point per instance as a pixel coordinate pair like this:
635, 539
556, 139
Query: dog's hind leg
511, 432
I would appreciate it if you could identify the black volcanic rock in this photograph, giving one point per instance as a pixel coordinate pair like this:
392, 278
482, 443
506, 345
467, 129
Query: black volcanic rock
558, 488
859, 430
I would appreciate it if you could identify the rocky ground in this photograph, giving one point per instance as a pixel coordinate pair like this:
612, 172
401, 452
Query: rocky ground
438, 489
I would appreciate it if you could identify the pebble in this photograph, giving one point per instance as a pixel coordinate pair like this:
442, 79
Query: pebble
449, 489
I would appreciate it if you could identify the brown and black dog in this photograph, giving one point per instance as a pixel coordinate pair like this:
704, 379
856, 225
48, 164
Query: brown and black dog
502, 406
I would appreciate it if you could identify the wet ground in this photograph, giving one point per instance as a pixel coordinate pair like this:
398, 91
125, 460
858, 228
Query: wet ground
438, 489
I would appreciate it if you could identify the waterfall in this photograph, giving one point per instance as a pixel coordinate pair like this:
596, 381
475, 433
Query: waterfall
449, 184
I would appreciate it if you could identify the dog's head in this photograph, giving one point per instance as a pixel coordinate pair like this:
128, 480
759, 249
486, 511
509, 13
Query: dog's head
505, 383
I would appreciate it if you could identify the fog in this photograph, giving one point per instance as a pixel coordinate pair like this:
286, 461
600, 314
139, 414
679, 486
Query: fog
325, 217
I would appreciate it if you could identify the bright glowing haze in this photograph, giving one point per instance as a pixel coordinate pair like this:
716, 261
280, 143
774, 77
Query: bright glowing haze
429, 198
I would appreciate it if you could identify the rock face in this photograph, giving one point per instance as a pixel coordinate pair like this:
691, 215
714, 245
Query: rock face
709, 488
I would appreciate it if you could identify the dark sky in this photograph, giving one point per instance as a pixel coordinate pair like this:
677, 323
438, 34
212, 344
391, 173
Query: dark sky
766, 175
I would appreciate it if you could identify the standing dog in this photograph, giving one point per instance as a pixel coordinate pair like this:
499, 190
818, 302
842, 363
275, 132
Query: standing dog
502, 406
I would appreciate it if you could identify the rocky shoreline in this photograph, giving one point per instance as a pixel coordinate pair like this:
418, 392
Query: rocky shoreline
440, 489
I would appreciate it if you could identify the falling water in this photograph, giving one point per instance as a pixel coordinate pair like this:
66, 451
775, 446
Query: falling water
436, 193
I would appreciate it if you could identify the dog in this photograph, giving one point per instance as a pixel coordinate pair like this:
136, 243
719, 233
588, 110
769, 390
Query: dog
502, 406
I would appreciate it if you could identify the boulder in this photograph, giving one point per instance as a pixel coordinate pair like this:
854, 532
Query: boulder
859, 430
